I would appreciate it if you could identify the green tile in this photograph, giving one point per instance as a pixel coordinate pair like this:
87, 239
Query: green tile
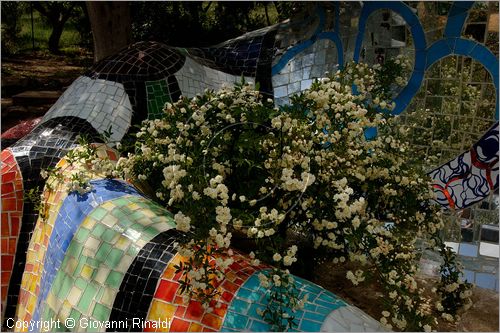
114, 279
98, 230
100, 293
93, 262
108, 235
82, 234
87, 297
101, 312
133, 251
81, 283
98, 213
74, 249
65, 287
103, 251
114, 257
119, 214
75, 314
123, 201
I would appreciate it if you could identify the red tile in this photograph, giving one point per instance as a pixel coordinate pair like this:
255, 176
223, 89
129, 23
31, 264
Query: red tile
220, 310
166, 290
194, 311
8, 177
5, 228
179, 325
14, 224
235, 266
7, 262
178, 300
181, 310
229, 286
5, 245
9, 204
7, 188
238, 281
12, 244
227, 296
212, 321
5, 278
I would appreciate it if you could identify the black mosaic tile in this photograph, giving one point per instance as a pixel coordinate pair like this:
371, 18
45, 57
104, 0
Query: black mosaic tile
139, 283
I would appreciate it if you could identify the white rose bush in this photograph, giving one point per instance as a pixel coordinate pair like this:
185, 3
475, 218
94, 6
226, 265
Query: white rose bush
230, 165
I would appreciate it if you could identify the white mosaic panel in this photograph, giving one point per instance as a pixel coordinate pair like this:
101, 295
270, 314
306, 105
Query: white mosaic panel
299, 73
194, 78
102, 103
350, 319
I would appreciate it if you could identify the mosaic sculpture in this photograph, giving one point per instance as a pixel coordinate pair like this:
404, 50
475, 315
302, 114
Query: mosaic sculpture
62, 266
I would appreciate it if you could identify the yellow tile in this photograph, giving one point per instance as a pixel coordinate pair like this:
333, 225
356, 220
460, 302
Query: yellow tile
31, 304
89, 223
53, 301
74, 296
65, 310
87, 272
108, 205
71, 266
133, 206
160, 310
122, 243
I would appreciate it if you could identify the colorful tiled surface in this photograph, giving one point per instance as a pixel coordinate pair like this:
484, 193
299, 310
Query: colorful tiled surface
139, 283
251, 298
470, 177
12, 211
43, 239
99, 256
168, 303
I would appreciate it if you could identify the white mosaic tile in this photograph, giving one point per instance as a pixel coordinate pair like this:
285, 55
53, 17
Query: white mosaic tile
350, 319
194, 78
102, 103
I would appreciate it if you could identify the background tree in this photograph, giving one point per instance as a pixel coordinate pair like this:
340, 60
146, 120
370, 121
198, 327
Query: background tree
57, 13
111, 26
11, 12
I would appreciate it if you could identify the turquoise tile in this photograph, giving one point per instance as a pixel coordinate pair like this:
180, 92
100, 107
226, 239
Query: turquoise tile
309, 326
258, 326
239, 305
235, 320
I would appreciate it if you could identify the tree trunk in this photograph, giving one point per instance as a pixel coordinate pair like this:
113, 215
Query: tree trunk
111, 26
55, 36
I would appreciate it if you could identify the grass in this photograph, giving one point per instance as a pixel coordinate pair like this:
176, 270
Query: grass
69, 43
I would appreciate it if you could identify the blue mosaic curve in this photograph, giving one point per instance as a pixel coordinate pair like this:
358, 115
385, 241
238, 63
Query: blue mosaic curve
405, 96
318, 34
73, 211
456, 18
242, 314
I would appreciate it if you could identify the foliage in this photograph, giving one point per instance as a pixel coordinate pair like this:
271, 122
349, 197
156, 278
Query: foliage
11, 11
203, 23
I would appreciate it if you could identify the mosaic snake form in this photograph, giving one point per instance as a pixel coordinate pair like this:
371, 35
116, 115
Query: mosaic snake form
108, 254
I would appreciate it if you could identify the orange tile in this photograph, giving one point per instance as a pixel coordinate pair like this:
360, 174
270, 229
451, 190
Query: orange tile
179, 325
194, 327
212, 321
194, 311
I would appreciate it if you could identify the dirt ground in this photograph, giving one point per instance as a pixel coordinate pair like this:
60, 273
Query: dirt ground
483, 316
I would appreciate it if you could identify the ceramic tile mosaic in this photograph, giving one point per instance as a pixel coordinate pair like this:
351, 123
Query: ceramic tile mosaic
99, 256
158, 94
251, 298
102, 103
12, 211
36, 260
41, 149
140, 282
168, 304
470, 177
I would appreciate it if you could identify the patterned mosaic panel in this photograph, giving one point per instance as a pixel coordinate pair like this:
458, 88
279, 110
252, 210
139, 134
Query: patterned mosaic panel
104, 104
41, 149
99, 256
39, 266
470, 177
12, 211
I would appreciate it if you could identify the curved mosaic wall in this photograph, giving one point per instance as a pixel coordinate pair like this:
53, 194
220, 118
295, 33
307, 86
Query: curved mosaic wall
126, 88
